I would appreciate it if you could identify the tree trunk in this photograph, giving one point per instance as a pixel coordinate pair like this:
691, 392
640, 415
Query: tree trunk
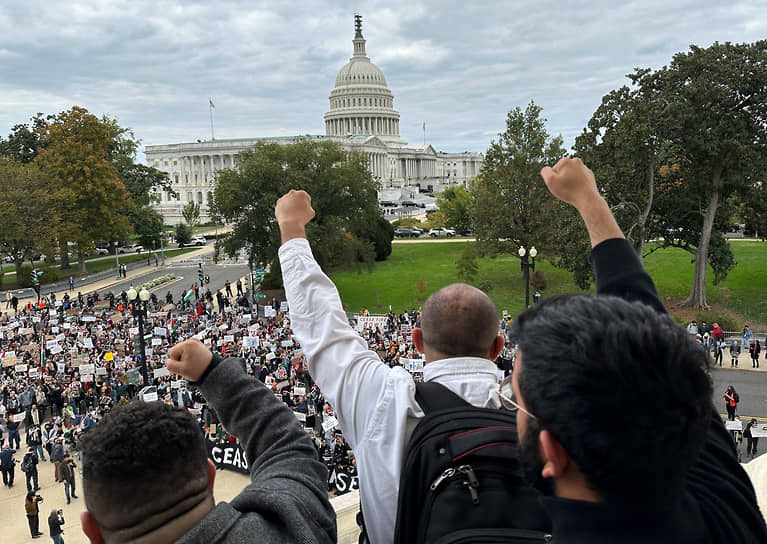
17, 263
81, 269
64, 252
697, 298
639, 246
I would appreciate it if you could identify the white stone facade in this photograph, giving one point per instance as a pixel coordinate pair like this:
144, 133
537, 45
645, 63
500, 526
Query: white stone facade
361, 118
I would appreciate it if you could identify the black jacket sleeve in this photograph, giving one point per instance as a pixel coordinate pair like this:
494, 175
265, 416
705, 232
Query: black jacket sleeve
287, 499
716, 483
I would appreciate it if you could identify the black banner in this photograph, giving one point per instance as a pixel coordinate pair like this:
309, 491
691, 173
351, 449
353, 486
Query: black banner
343, 481
228, 456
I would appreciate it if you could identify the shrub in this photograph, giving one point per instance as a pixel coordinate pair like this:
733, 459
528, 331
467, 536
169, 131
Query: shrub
485, 285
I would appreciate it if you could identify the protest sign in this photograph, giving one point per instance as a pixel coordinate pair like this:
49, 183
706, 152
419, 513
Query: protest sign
20, 369
300, 417
759, 430
161, 372
87, 343
157, 341
177, 384
24, 332
282, 385
329, 423
55, 349
60, 367
343, 481
228, 456
109, 356
734, 425
101, 304
9, 360
300, 391
133, 376
36, 319
229, 338
85, 378
101, 371
372, 321
269, 312
286, 343
270, 356
50, 343
284, 306
133, 331
116, 317
89, 319
87, 369
18, 418
55, 330
160, 331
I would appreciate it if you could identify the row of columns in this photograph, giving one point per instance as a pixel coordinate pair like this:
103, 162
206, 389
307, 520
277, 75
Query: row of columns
377, 163
204, 168
418, 168
362, 125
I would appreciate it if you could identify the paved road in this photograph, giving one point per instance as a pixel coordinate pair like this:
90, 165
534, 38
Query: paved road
188, 274
751, 386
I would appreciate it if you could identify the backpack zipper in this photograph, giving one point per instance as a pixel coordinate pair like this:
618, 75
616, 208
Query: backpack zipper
471, 483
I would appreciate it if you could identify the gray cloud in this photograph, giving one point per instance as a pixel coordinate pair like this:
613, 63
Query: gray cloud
269, 66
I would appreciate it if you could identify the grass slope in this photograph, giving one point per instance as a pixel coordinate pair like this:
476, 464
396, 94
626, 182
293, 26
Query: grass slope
414, 271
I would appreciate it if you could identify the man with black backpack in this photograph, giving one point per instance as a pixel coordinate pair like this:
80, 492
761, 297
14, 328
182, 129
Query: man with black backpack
442, 455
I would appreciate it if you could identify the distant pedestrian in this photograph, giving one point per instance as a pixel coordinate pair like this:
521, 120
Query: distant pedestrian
8, 296
228, 287
71, 284
14, 303
752, 441
55, 521
239, 287
29, 468
31, 505
731, 400
68, 477
734, 353
719, 351
7, 465
754, 350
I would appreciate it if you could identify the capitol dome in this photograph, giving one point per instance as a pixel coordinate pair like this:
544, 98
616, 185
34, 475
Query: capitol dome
361, 104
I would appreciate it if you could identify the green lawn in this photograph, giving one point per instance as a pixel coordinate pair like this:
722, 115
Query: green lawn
416, 270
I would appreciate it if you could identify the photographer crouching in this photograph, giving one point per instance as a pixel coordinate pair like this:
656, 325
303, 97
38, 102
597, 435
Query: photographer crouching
33, 513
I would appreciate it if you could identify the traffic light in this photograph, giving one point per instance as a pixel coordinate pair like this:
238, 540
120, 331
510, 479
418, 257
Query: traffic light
207, 279
200, 276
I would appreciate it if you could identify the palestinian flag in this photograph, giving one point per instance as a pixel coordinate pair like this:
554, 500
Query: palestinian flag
189, 295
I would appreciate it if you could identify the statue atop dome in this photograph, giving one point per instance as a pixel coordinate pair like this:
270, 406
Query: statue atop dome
359, 40
357, 26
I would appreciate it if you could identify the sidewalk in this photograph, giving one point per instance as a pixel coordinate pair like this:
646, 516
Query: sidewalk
132, 276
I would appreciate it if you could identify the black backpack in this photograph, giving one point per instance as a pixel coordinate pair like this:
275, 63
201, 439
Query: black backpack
461, 480
26, 463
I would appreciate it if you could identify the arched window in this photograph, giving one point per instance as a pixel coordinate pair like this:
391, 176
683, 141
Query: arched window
199, 197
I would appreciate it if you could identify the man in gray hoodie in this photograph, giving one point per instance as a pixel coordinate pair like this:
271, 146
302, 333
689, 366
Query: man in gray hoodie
147, 478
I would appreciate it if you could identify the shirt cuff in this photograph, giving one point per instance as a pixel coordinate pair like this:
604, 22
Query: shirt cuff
295, 245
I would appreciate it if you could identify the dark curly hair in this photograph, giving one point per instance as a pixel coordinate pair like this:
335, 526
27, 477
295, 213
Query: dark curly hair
621, 386
139, 451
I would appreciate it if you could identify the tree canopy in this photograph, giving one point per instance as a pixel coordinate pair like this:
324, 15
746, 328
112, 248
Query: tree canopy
511, 206
343, 196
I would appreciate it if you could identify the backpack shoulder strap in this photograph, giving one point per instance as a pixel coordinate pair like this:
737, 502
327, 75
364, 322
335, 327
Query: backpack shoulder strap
433, 397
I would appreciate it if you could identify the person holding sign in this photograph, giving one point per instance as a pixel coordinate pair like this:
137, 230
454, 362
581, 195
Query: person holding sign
147, 476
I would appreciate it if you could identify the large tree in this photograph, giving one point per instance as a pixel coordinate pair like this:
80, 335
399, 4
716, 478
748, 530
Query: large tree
191, 214
455, 203
23, 141
713, 117
343, 196
28, 214
92, 199
511, 206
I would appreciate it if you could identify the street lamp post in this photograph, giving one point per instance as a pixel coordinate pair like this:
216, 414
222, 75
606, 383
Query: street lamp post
527, 265
117, 262
139, 300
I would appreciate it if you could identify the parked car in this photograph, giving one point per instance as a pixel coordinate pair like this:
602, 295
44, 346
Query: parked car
408, 204
403, 233
196, 241
441, 232
417, 231
102, 251
387, 204
135, 248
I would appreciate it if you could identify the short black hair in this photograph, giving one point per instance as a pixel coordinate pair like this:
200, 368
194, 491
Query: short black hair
138, 456
621, 386
459, 320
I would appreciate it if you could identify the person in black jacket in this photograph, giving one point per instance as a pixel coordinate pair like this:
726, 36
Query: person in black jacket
55, 521
752, 442
147, 476
607, 387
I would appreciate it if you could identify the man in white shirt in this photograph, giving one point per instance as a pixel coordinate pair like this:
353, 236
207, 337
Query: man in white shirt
375, 404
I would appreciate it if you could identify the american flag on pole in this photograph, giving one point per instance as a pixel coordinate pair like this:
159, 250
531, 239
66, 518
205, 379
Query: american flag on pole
210, 101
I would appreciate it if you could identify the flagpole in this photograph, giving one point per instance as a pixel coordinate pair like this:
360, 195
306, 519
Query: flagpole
210, 107
424, 133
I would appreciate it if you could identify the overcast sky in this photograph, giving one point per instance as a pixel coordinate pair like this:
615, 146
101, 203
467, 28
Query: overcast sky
269, 66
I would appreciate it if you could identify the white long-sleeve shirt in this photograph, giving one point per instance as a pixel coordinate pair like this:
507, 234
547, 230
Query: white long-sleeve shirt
375, 405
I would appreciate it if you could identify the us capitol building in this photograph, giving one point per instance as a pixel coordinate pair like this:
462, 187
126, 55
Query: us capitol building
361, 118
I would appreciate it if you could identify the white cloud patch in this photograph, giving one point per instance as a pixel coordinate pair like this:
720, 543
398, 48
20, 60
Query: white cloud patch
270, 66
